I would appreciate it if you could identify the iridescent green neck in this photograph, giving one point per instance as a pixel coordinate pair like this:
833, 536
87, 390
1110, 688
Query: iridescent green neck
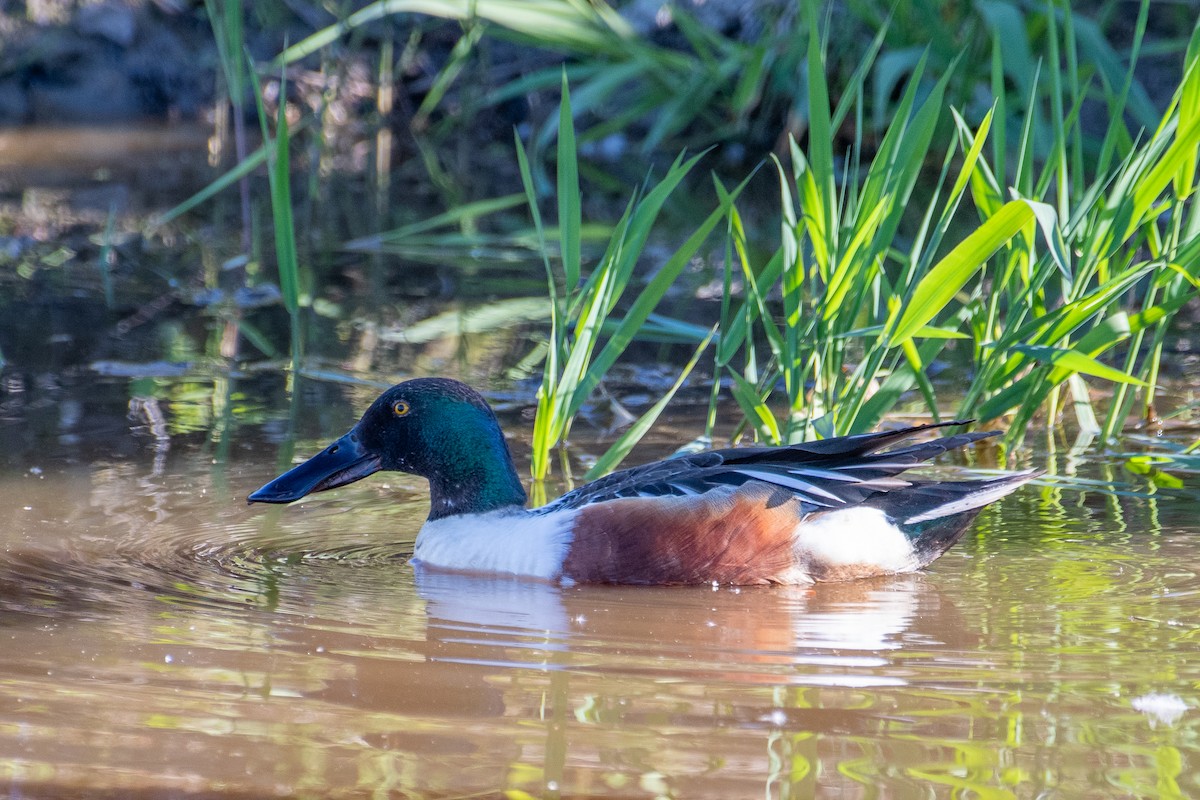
468, 465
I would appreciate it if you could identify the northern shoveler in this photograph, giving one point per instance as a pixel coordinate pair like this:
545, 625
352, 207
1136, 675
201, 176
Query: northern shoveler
827, 510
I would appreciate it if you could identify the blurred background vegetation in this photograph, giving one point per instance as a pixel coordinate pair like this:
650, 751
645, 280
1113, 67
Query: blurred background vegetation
831, 211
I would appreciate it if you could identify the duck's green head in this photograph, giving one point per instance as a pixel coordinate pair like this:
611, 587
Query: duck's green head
437, 428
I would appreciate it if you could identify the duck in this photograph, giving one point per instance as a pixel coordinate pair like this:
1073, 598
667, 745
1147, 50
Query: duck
833, 509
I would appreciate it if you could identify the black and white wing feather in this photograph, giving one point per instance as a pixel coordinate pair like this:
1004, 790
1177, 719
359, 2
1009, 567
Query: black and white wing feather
825, 474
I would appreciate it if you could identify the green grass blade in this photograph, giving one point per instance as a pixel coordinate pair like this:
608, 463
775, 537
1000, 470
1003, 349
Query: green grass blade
535, 213
1003, 401
733, 336
1189, 109
756, 411
820, 130
976, 139
570, 209
454, 217
857, 79
1076, 361
917, 365
239, 171
927, 332
1147, 190
949, 275
642, 219
899, 381
279, 177
647, 300
459, 58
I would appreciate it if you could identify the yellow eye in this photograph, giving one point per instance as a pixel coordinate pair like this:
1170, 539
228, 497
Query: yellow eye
400, 408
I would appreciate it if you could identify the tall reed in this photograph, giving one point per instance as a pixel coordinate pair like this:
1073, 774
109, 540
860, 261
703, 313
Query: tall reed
227, 20
279, 174
1125, 262
583, 300
1048, 260
1035, 289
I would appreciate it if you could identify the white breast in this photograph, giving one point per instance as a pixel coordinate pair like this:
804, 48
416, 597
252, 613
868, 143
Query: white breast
509, 541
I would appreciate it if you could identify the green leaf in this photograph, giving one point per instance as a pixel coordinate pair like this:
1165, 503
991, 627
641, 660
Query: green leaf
534, 212
1003, 401
820, 132
977, 140
235, 174
893, 386
733, 336
1059, 323
1189, 109
917, 365
1077, 362
647, 300
570, 209
925, 332
455, 216
279, 178
756, 411
1167, 167
949, 275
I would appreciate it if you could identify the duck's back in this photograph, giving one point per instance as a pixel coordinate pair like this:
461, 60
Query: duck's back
758, 533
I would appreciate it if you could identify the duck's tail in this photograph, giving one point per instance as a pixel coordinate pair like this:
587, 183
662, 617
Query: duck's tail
934, 515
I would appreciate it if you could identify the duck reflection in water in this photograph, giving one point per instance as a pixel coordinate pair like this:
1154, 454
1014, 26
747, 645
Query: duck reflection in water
493, 646
718, 624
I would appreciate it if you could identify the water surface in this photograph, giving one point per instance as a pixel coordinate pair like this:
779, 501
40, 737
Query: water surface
159, 638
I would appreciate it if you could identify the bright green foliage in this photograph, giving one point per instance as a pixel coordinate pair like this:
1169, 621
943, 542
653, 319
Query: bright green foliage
575, 361
1040, 258
1125, 266
852, 303
1048, 282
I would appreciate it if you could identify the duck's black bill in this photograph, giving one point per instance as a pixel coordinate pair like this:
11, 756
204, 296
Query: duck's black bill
344, 461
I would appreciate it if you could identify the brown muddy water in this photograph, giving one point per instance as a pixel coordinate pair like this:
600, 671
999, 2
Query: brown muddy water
161, 639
